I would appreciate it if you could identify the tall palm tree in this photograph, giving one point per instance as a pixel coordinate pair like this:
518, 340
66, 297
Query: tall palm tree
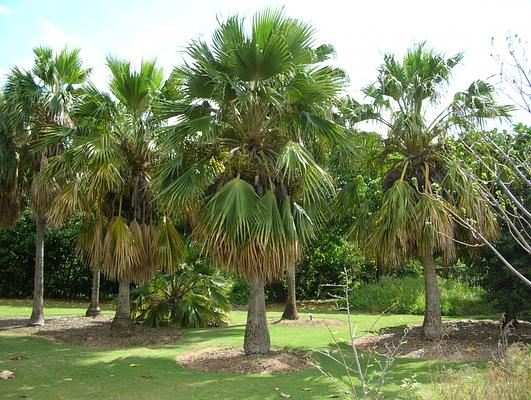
421, 183
290, 308
94, 308
255, 108
33, 101
106, 174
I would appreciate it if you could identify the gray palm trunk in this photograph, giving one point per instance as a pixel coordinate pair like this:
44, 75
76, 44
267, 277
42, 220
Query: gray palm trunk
256, 339
432, 326
94, 308
290, 310
122, 324
37, 313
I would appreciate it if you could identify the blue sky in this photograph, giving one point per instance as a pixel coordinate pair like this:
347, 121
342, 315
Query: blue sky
361, 31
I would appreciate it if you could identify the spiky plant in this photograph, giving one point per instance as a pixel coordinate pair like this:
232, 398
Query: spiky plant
255, 109
422, 185
33, 101
194, 295
106, 174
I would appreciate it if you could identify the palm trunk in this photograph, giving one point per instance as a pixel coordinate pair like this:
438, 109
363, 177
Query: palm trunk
94, 308
122, 324
37, 314
290, 311
256, 339
432, 325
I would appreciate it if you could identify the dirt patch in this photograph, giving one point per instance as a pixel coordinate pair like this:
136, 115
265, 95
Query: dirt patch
234, 360
306, 321
462, 340
89, 331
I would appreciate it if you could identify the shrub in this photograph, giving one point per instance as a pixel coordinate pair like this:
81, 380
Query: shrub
65, 276
195, 295
324, 262
507, 379
240, 291
405, 295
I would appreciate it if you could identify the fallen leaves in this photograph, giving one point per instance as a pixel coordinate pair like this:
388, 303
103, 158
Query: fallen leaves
6, 374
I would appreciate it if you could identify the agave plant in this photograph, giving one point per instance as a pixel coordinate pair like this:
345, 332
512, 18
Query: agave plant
33, 101
194, 295
105, 173
254, 112
421, 184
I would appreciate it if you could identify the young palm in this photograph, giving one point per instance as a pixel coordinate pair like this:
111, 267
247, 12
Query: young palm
33, 101
254, 111
422, 184
106, 174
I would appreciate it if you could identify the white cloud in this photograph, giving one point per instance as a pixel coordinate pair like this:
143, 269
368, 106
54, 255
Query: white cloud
53, 36
4, 10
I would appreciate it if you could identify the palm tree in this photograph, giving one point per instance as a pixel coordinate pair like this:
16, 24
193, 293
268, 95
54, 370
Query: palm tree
290, 308
422, 183
94, 308
34, 100
106, 175
255, 108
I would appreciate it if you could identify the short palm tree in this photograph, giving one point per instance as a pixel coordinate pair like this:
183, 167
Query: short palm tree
106, 174
255, 109
33, 101
422, 183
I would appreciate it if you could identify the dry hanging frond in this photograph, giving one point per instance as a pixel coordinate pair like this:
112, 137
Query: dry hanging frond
393, 234
435, 226
90, 242
10, 207
118, 248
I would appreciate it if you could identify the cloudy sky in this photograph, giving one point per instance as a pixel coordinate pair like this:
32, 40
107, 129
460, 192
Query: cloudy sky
361, 31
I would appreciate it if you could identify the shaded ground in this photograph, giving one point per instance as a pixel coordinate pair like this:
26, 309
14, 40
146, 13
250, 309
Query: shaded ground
307, 321
89, 331
234, 360
463, 340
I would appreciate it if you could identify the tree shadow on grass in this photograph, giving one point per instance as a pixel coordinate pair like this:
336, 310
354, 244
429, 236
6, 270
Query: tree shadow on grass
52, 371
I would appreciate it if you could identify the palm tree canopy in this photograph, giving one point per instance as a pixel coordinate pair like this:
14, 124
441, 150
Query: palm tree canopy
254, 108
109, 164
422, 184
32, 101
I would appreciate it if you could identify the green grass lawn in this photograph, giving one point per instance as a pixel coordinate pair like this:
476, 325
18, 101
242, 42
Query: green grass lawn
56, 371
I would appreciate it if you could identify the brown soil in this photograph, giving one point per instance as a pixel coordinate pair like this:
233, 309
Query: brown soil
462, 340
306, 321
234, 360
89, 331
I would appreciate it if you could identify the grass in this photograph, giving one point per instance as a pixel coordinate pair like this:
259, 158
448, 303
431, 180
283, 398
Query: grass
57, 371
22, 307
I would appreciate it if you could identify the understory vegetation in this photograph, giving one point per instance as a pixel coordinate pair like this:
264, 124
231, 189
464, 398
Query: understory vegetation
405, 295
193, 296
507, 378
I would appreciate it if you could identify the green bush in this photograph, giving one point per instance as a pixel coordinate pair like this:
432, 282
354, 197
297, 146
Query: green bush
324, 262
240, 291
195, 295
405, 295
65, 276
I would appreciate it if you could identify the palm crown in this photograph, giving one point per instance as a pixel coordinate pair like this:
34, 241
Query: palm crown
109, 165
254, 107
32, 101
421, 181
